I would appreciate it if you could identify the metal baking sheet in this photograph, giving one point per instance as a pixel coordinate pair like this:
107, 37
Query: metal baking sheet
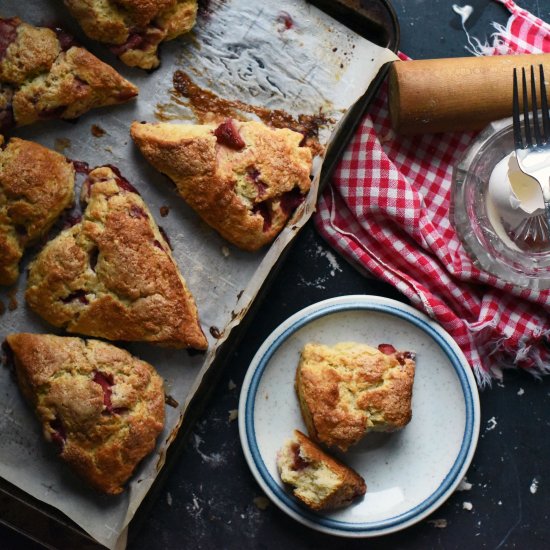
239, 49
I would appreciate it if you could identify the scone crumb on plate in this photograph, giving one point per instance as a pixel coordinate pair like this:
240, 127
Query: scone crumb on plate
318, 480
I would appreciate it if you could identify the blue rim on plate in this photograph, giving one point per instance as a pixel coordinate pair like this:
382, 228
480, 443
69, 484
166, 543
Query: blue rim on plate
273, 487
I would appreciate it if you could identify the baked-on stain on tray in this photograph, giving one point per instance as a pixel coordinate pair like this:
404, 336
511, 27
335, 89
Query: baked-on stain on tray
208, 106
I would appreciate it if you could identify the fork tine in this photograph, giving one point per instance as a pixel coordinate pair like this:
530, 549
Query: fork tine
518, 141
544, 106
526, 120
534, 108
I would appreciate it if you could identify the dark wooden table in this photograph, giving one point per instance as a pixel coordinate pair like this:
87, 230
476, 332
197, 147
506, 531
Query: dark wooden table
210, 499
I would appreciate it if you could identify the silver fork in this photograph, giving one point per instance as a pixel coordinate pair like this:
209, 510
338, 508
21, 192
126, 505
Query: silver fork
533, 156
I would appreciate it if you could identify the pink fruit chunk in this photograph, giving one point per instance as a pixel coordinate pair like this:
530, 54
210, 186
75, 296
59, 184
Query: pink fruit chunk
298, 462
227, 134
79, 295
59, 435
134, 41
291, 200
8, 34
263, 209
386, 349
106, 382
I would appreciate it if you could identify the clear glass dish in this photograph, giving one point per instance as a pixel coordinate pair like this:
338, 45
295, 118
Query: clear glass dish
512, 256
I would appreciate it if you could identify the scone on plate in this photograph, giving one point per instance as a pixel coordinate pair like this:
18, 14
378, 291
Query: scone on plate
318, 480
134, 28
44, 75
244, 179
102, 407
350, 389
112, 275
36, 185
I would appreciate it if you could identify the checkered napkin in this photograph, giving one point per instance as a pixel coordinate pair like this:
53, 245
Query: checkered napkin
388, 210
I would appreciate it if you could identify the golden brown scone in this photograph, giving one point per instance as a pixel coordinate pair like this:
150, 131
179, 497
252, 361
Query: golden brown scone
36, 185
350, 389
113, 275
44, 75
103, 408
320, 481
134, 28
243, 178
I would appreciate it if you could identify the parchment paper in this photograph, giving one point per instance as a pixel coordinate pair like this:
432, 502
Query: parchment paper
242, 50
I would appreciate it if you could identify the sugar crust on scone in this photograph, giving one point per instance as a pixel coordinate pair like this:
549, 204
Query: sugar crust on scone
102, 407
243, 178
36, 185
134, 28
112, 275
44, 75
319, 480
350, 389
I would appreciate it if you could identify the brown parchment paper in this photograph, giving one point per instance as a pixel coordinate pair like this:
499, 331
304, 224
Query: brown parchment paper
279, 54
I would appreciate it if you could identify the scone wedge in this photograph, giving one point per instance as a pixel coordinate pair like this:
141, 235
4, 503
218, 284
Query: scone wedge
317, 479
134, 28
45, 75
350, 389
112, 275
244, 179
36, 185
102, 407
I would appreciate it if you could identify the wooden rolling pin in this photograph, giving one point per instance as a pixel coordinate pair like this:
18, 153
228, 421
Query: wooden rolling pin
464, 93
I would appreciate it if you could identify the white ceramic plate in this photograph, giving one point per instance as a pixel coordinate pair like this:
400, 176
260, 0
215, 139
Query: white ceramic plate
408, 473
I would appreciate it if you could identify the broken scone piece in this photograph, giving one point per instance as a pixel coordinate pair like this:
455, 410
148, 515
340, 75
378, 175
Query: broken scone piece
134, 28
320, 481
112, 275
244, 179
102, 407
36, 185
350, 389
44, 75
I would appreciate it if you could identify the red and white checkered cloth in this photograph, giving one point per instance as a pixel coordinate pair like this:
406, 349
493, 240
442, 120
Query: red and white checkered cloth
388, 210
